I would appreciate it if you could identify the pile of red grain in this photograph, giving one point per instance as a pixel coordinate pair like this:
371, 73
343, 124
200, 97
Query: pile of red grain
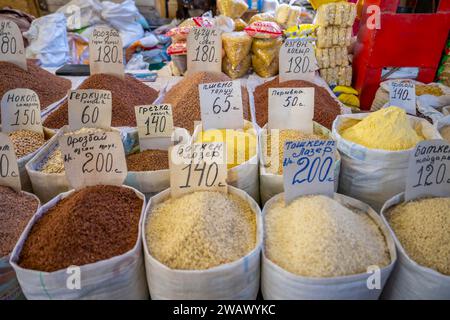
326, 108
126, 94
92, 224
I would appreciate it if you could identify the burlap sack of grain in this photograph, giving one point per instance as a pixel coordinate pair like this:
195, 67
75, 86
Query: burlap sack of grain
238, 280
279, 284
409, 280
372, 175
9, 286
271, 184
244, 176
118, 278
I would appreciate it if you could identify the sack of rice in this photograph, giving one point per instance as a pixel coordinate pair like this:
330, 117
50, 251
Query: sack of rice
203, 245
421, 231
84, 244
322, 248
375, 149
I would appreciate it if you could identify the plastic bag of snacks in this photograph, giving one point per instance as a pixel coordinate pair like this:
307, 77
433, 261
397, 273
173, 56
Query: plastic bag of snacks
340, 76
422, 226
107, 278
339, 14
266, 16
232, 8
239, 24
237, 279
240, 70
264, 70
297, 274
237, 46
177, 48
264, 30
317, 3
328, 37
266, 49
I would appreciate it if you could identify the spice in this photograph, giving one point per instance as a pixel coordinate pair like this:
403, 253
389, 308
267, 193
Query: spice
48, 87
423, 228
16, 209
54, 163
126, 94
148, 160
275, 156
26, 141
91, 224
386, 129
201, 230
241, 145
326, 108
316, 236
445, 133
185, 99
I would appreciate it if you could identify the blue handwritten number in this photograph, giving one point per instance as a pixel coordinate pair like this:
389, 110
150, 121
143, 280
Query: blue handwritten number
300, 162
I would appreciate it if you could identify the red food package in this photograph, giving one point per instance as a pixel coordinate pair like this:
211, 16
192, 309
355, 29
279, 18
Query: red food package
264, 30
177, 48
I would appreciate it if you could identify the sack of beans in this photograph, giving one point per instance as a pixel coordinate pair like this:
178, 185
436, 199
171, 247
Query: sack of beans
375, 149
84, 244
271, 157
421, 229
16, 210
203, 245
242, 155
148, 170
324, 248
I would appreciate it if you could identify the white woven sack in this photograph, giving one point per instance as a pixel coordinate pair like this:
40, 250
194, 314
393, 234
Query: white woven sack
238, 280
279, 284
244, 176
120, 277
410, 280
9, 286
373, 175
272, 184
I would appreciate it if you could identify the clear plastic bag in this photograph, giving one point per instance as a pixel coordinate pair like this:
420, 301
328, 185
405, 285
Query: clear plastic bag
264, 70
232, 8
264, 30
237, 46
266, 16
238, 71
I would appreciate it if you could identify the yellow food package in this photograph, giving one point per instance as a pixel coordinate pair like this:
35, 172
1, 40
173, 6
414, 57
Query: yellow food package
349, 99
301, 31
264, 44
239, 24
264, 70
238, 71
237, 46
266, 16
317, 3
344, 89
232, 8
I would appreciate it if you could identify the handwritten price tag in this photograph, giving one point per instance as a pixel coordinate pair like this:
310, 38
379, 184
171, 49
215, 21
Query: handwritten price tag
21, 110
204, 50
403, 94
11, 44
198, 166
308, 168
297, 60
221, 105
154, 122
93, 158
106, 52
291, 108
9, 170
429, 170
90, 108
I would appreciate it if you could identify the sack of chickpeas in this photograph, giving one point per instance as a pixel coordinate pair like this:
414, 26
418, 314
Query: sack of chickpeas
203, 245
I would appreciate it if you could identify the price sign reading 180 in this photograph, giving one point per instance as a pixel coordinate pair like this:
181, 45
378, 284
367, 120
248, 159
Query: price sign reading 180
297, 60
204, 50
106, 52
11, 44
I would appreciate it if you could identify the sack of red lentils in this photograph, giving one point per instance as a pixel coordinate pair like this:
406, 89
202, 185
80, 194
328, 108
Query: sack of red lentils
375, 151
242, 155
271, 163
84, 244
421, 233
322, 248
191, 252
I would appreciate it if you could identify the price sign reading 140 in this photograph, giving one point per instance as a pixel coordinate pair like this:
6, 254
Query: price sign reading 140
155, 126
11, 44
90, 108
297, 60
402, 94
106, 52
204, 50
93, 158
308, 168
198, 166
9, 170
429, 170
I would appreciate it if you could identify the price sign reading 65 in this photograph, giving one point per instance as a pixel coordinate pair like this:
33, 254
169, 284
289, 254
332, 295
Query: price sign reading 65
204, 50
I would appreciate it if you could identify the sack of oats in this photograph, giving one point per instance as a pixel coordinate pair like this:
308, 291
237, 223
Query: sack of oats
319, 247
191, 252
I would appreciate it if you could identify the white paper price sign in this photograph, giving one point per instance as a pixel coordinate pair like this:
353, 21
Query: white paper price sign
106, 52
308, 168
198, 166
221, 105
204, 50
297, 60
9, 170
154, 122
93, 158
402, 93
11, 44
429, 170
90, 108
291, 108
21, 110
